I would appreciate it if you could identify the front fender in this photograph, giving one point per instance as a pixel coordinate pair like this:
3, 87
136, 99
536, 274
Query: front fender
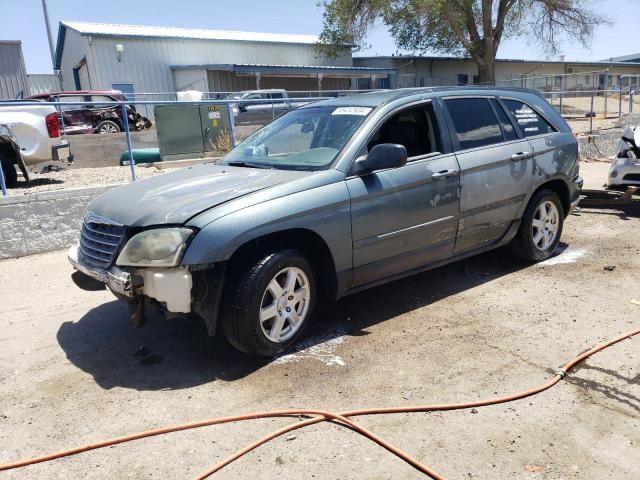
324, 210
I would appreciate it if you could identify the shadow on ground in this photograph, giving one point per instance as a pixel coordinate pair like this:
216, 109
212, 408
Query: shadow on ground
175, 354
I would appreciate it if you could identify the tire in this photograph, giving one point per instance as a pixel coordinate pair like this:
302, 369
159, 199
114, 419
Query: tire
255, 306
9, 171
108, 126
538, 235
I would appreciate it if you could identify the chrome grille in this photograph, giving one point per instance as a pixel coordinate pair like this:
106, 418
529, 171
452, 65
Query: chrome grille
100, 239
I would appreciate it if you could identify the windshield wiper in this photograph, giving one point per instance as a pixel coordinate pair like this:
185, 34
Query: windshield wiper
242, 163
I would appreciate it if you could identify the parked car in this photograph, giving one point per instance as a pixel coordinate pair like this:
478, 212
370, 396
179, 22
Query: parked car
29, 135
257, 107
78, 119
333, 198
625, 168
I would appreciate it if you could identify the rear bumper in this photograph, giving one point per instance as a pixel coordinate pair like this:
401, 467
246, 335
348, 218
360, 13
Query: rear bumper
576, 190
115, 278
61, 152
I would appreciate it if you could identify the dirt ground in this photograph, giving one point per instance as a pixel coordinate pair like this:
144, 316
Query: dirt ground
487, 326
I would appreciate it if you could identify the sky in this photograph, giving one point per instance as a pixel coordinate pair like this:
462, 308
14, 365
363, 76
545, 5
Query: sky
621, 37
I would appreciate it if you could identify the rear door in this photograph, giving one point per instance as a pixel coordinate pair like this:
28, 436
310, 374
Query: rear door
257, 110
279, 105
495, 162
74, 116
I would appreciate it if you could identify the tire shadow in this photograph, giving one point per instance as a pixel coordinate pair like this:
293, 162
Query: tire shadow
177, 353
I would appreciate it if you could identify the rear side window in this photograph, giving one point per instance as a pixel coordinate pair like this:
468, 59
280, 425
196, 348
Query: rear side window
530, 122
474, 121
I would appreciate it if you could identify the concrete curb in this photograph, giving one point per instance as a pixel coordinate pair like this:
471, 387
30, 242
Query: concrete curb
43, 221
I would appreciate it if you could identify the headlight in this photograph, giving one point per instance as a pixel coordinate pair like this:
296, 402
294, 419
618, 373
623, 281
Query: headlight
161, 247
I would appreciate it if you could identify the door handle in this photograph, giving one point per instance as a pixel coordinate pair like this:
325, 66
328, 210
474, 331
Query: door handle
520, 156
443, 174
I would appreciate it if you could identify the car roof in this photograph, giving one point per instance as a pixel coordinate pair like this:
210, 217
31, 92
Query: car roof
77, 92
374, 99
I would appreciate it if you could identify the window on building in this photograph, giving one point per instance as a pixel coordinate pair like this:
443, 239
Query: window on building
475, 122
476, 79
463, 79
416, 128
529, 121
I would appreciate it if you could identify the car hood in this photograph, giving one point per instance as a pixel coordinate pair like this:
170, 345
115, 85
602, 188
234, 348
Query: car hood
175, 197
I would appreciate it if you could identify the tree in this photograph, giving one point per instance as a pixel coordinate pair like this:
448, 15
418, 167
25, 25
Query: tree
472, 27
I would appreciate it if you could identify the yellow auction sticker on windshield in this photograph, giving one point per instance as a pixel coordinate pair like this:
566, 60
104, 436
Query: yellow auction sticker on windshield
352, 111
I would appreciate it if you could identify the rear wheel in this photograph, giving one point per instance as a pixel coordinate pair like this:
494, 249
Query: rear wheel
270, 305
108, 126
9, 171
541, 227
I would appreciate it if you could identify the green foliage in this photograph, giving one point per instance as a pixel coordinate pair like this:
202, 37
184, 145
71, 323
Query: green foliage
472, 27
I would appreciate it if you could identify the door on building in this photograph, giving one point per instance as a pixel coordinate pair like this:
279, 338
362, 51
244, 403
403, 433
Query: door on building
81, 76
126, 88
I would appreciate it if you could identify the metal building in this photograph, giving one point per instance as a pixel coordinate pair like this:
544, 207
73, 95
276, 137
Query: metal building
13, 75
545, 75
142, 59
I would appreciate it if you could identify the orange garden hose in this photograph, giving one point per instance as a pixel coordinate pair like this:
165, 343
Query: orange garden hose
317, 416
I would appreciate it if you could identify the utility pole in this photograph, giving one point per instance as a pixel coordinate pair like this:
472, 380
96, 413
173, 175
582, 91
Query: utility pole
49, 36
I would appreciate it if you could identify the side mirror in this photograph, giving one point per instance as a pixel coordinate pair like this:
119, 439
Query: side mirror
382, 156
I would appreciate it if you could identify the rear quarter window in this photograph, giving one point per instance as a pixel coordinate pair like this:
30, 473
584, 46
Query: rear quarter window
530, 122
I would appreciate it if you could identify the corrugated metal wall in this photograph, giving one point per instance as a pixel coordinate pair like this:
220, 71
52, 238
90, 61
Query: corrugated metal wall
145, 62
43, 83
220, 81
13, 76
76, 48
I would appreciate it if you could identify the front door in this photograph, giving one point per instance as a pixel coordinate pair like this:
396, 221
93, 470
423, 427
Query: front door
495, 163
405, 217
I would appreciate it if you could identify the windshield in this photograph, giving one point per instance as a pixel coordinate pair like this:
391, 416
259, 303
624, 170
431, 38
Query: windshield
304, 139
234, 96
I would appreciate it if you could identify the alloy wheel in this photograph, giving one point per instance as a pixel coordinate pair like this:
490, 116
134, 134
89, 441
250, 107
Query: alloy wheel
544, 227
285, 304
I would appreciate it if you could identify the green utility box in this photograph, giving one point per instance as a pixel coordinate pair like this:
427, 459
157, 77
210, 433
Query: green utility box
186, 131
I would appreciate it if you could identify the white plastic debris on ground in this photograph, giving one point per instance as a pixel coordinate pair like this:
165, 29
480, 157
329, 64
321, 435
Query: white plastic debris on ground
568, 256
320, 348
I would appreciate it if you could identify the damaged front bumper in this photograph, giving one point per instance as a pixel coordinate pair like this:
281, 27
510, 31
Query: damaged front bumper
115, 278
171, 287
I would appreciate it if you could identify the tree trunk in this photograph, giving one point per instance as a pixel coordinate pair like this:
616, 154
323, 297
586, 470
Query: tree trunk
487, 72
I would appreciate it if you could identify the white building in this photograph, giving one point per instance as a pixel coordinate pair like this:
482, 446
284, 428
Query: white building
143, 59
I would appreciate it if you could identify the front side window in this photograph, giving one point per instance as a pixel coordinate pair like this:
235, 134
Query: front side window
304, 139
415, 128
529, 121
474, 121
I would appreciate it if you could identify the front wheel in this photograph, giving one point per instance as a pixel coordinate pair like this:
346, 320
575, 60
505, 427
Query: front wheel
9, 171
541, 227
270, 305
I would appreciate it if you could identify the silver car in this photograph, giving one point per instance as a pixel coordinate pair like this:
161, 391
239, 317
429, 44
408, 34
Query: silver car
333, 198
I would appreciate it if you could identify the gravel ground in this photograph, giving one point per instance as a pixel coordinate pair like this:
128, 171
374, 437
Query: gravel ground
81, 177
486, 326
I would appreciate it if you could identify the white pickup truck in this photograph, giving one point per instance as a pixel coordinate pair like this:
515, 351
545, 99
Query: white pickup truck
28, 135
